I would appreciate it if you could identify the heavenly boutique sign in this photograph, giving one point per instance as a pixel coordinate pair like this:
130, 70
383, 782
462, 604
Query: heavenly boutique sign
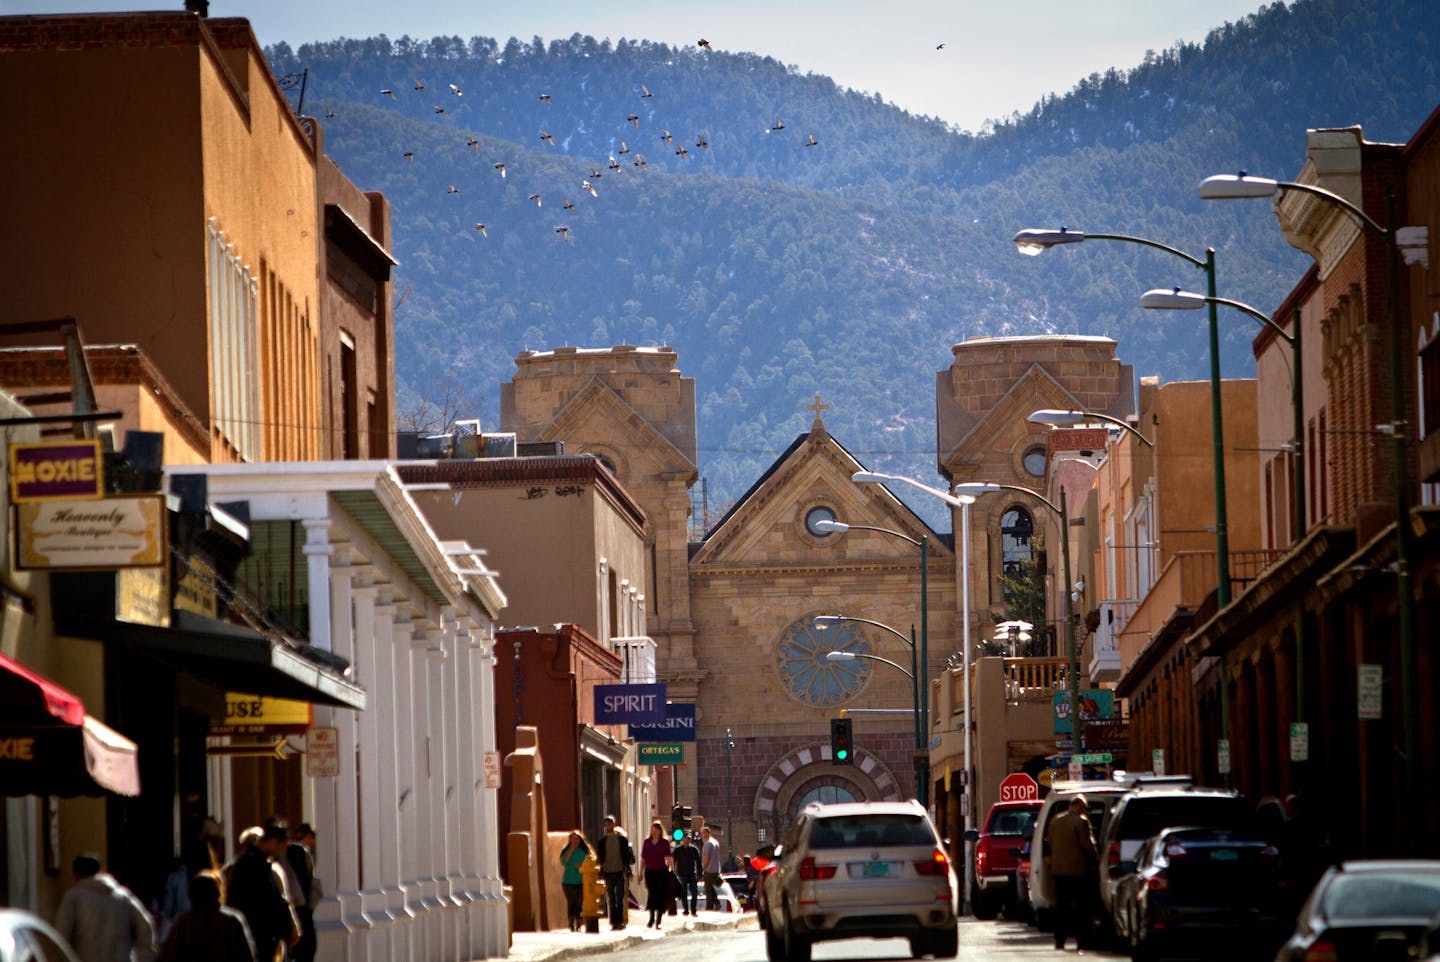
115, 532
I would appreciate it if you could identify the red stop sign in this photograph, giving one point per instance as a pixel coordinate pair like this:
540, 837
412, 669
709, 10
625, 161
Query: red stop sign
1018, 787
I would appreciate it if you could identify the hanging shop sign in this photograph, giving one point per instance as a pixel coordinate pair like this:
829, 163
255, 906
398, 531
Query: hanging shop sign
259, 715
630, 704
55, 470
121, 531
679, 725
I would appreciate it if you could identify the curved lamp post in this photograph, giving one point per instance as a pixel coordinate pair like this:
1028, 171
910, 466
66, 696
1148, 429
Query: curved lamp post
1077, 731
963, 502
1242, 186
1034, 241
826, 621
852, 655
1055, 418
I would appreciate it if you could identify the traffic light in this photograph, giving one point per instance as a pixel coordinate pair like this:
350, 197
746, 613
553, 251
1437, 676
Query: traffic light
842, 751
679, 822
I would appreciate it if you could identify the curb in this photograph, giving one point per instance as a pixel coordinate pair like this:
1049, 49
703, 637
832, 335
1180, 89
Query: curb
605, 946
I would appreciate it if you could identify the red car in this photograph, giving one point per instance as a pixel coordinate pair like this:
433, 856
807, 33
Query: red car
1007, 828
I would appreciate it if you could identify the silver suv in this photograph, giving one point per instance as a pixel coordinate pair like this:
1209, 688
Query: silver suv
861, 870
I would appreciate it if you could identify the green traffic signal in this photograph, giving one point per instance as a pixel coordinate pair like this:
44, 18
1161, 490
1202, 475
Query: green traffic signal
842, 754
677, 834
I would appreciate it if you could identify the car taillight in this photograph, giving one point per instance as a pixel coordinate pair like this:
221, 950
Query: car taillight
1157, 883
1112, 857
982, 856
1175, 850
810, 871
937, 864
1321, 951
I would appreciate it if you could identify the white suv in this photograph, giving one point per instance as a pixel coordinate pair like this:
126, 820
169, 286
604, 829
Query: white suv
861, 870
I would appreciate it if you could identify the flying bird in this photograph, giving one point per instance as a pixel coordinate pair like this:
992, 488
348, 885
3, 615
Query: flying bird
545, 136
387, 92
453, 189
811, 142
329, 112
634, 119
536, 199
595, 173
482, 230
501, 168
624, 148
473, 144
586, 185
568, 205
682, 152
439, 109
563, 231
456, 90
614, 164
409, 155
939, 46
702, 42
419, 85
640, 162
546, 98
700, 141
645, 91
779, 124
665, 136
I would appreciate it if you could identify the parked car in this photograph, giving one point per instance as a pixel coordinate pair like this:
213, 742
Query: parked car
739, 884
1024, 906
1139, 815
27, 938
1195, 889
1007, 826
1100, 796
861, 870
1373, 910
764, 862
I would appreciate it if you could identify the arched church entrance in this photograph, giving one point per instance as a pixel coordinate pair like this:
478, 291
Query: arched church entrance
806, 774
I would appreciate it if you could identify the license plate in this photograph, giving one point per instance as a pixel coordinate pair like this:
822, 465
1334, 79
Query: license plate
875, 869
1224, 855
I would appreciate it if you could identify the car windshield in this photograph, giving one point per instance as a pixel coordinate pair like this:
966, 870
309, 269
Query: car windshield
1145, 817
858, 831
1014, 821
1365, 895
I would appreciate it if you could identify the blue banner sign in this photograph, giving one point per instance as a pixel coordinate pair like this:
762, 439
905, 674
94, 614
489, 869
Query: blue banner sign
630, 704
1095, 704
678, 726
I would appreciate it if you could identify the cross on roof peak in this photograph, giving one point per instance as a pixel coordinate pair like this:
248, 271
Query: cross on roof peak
817, 407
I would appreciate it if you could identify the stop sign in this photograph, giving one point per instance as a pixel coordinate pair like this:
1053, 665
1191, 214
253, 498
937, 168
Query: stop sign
1018, 787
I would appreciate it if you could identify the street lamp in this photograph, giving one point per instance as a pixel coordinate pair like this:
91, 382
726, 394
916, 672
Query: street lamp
852, 655
1034, 241
1077, 730
1242, 186
1054, 418
827, 621
1174, 299
963, 502
1013, 633
729, 795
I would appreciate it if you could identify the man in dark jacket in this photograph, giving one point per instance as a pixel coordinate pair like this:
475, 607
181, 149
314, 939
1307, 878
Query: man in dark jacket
1073, 865
253, 887
687, 870
208, 931
616, 858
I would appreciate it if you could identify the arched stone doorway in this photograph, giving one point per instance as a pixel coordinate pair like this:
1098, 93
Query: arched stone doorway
807, 774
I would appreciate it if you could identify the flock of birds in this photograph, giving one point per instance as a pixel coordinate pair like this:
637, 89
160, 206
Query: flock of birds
587, 183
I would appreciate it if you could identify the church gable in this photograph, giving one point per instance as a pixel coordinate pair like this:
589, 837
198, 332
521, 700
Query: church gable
597, 420
1004, 427
768, 527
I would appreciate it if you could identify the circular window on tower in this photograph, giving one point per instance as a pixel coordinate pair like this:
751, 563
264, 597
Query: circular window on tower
810, 674
818, 513
1034, 461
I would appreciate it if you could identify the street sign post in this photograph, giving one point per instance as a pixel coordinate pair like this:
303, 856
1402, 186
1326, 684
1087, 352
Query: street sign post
1157, 761
1019, 787
1371, 680
1093, 758
1222, 756
1299, 741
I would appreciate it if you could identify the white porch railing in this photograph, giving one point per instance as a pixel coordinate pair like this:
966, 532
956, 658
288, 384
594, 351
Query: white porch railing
1105, 643
638, 654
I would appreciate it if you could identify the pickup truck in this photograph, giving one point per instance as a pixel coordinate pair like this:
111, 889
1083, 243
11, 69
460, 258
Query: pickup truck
1007, 828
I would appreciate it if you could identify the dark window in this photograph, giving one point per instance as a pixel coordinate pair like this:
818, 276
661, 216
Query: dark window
859, 831
1016, 530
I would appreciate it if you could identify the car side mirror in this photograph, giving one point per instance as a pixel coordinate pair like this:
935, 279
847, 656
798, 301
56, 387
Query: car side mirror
971, 835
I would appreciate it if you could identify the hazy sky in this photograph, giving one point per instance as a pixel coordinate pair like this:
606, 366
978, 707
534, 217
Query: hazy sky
1000, 55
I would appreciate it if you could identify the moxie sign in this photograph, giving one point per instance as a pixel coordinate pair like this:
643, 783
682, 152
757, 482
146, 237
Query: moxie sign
47, 470
630, 704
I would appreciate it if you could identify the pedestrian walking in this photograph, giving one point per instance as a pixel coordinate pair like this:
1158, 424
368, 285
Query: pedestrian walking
572, 882
655, 857
1073, 864
208, 931
686, 858
710, 868
300, 857
616, 865
103, 920
255, 887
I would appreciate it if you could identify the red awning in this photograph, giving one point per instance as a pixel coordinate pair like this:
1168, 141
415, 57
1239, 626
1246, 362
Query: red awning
49, 746
29, 698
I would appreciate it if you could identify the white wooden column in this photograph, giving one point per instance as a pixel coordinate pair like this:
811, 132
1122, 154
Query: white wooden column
452, 885
490, 833
376, 920
420, 887
400, 800
437, 901
317, 551
466, 839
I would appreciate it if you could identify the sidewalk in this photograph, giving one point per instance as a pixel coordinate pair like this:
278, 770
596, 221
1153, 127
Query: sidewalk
563, 944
